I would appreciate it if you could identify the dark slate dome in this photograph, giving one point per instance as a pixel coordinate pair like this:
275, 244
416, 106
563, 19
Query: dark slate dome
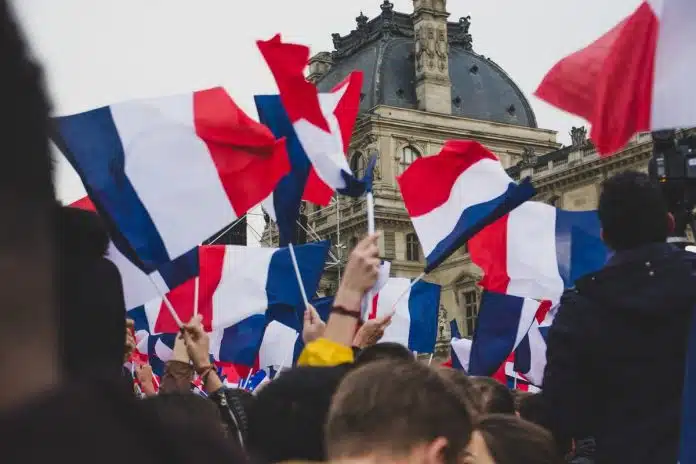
383, 49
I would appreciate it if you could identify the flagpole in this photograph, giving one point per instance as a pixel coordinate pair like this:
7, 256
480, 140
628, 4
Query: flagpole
403, 294
196, 284
430, 361
370, 231
298, 275
167, 303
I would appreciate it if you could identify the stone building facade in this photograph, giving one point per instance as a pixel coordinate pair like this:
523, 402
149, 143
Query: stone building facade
424, 84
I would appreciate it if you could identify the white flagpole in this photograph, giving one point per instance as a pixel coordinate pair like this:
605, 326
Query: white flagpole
167, 303
403, 294
196, 284
370, 230
246, 382
430, 361
298, 275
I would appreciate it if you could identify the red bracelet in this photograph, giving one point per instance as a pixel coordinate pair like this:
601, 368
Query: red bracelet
345, 312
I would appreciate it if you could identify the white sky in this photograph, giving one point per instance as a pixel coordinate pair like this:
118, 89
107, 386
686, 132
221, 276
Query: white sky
98, 52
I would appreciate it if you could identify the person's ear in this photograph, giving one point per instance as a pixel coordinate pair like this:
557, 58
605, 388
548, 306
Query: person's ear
670, 223
435, 451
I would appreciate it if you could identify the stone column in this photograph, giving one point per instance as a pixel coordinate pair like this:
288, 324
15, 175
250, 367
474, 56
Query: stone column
433, 86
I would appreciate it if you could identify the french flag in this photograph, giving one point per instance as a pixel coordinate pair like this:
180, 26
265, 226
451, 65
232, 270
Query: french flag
279, 346
454, 329
635, 78
137, 286
530, 354
322, 122
467, 190
167, 173
414, 324
503, 322
237, 283
460, 349
537, 251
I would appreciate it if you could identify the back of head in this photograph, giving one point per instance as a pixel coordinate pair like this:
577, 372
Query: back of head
462, 383
382, 352
492, 397
286, 422
511, 440
632, 211
92, 306
27, 294
388, 408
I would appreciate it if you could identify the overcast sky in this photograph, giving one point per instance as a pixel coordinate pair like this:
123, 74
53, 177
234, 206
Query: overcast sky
102, 51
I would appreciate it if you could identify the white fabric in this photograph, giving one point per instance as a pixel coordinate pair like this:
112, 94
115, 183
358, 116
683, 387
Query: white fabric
527, 318
137, 286
159, 136
482, 182
400, 327
325, 150
462, 349
241, 292
532, 263
278, 346
382, 280
673, 90
162, 351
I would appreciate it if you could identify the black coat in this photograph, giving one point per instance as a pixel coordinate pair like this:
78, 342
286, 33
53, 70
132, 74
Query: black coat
616, 355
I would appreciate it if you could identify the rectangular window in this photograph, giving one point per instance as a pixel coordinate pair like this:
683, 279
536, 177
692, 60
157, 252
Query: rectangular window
389, 245
470, 302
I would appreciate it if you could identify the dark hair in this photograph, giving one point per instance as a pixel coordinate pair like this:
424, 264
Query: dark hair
393, 406
632, 211
287, 419
511, 440
533, 408
384, 351
27, 197
491, 396
462, 383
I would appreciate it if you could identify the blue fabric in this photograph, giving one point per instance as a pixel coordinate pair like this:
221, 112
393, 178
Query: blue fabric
579, 246
240, 342
423, 306
91, 143
496, 330
475, 218
181, 269
687, 446
287, 195
454, 329
282, 286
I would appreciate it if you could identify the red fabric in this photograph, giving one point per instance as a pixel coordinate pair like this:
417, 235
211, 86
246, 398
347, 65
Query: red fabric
488, 250
84, 204
609, 83
249, 160
287, 63
439, 173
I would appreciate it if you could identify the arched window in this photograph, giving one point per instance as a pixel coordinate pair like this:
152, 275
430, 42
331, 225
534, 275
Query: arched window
412, 248
358, 164
407, 156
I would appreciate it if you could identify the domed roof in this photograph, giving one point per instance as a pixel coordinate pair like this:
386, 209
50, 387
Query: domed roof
383, 49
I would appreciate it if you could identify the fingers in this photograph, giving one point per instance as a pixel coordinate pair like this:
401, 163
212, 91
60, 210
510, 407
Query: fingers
313, 313
130, 324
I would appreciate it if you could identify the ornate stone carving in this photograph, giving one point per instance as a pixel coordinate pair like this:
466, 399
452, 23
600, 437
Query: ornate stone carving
578, 136
336, 39
430, 46
460, 35
441, 50
529, 157
361, 21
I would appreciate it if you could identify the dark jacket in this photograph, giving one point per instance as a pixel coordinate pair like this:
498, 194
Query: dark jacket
92, 308
616, 354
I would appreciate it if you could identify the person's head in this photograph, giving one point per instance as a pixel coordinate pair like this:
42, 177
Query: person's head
92, 306
507, 439
382, 352
633, 212
492, 397
287, 419
391, 411
27, 201
532, 408
463, 385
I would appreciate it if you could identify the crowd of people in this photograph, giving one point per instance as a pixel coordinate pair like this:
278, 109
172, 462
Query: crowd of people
611, 394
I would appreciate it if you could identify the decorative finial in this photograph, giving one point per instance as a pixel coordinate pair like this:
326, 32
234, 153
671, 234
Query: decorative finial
387, 6
361, 20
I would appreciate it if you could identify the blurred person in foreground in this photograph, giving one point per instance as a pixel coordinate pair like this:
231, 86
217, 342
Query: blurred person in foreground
397, 411
628, 320
46, 416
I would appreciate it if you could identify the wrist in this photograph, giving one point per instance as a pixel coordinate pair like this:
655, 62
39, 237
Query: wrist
349, 299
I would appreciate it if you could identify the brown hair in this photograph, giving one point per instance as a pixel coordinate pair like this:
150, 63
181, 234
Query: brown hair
511, 440
491, 396
393, 406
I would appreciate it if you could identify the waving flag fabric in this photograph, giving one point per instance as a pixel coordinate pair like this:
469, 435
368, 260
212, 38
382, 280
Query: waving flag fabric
530, 355
467, 190
537, 251
137, 286
635, 78
278, 346
167, 173
503, 322
461, 353
238, 282
414, 324
454, 329
322, 122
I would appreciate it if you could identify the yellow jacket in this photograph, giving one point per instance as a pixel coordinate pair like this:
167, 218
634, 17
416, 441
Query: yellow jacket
325, 353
